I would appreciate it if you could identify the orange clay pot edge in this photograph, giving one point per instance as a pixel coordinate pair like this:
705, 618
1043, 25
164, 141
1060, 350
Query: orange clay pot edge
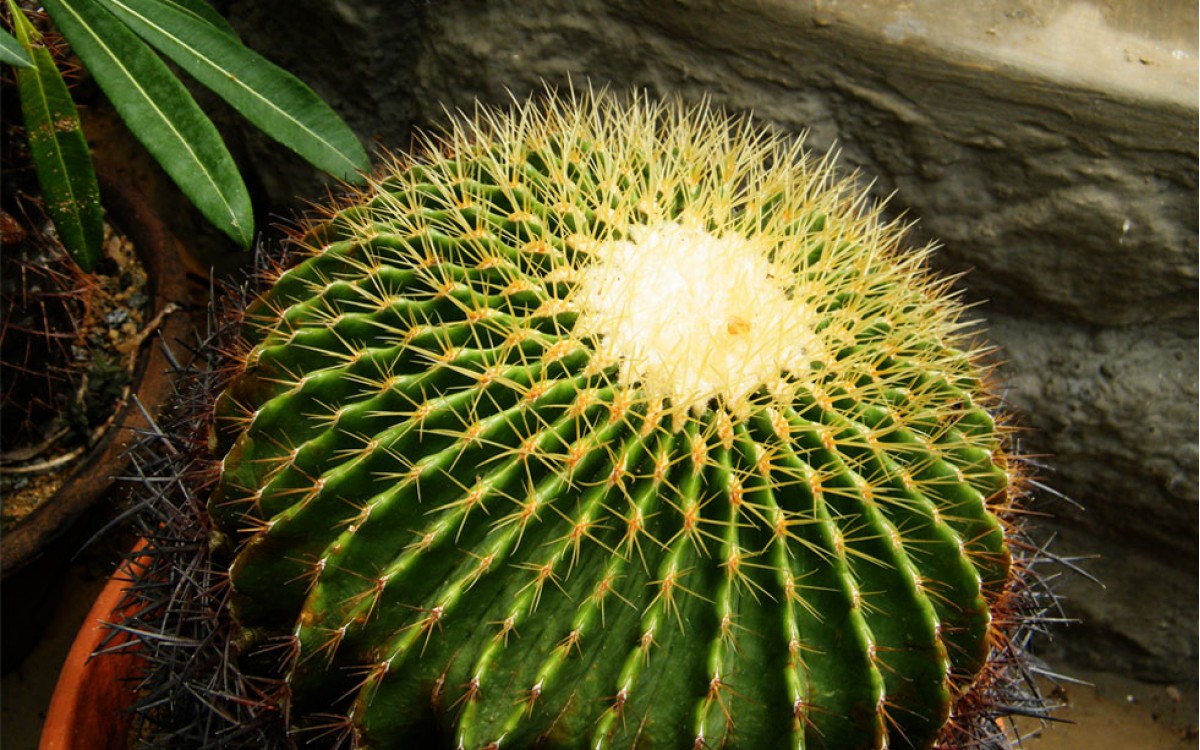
88, 709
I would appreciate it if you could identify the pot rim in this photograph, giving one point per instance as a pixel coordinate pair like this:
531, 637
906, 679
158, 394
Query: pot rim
94, 688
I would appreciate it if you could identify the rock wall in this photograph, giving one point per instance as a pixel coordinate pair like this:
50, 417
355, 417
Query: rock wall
1050, 146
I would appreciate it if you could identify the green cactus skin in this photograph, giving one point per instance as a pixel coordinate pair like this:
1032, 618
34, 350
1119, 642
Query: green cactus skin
481, 497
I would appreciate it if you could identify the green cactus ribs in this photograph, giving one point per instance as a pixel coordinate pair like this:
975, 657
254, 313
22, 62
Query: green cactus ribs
614, 424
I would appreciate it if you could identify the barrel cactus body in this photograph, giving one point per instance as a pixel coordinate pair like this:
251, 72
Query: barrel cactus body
614, 424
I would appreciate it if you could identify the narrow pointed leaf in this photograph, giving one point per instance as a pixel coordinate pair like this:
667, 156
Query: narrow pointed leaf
277, 102
11, 52
202, 11
159, 110
60, 152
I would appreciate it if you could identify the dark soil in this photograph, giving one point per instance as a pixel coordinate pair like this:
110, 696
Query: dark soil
68, 342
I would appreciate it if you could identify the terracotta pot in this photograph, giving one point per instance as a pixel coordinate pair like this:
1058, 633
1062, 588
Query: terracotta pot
88, 709
90, 480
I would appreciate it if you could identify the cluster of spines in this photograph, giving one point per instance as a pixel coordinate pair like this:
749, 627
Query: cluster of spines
422, 367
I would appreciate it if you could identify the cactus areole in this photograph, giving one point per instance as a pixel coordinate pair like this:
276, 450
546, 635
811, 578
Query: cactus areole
614, 424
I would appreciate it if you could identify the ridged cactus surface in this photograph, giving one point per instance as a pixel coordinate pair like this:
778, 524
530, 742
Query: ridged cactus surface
613, 424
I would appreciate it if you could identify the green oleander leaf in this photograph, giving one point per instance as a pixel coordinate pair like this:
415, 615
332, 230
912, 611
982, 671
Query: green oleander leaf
160, 112
203, 11
272, 99
60, 152
11, 51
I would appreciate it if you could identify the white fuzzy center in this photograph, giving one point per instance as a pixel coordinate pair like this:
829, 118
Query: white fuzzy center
691, 316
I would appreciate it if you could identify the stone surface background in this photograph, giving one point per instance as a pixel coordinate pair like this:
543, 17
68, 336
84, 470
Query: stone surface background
1050, 146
